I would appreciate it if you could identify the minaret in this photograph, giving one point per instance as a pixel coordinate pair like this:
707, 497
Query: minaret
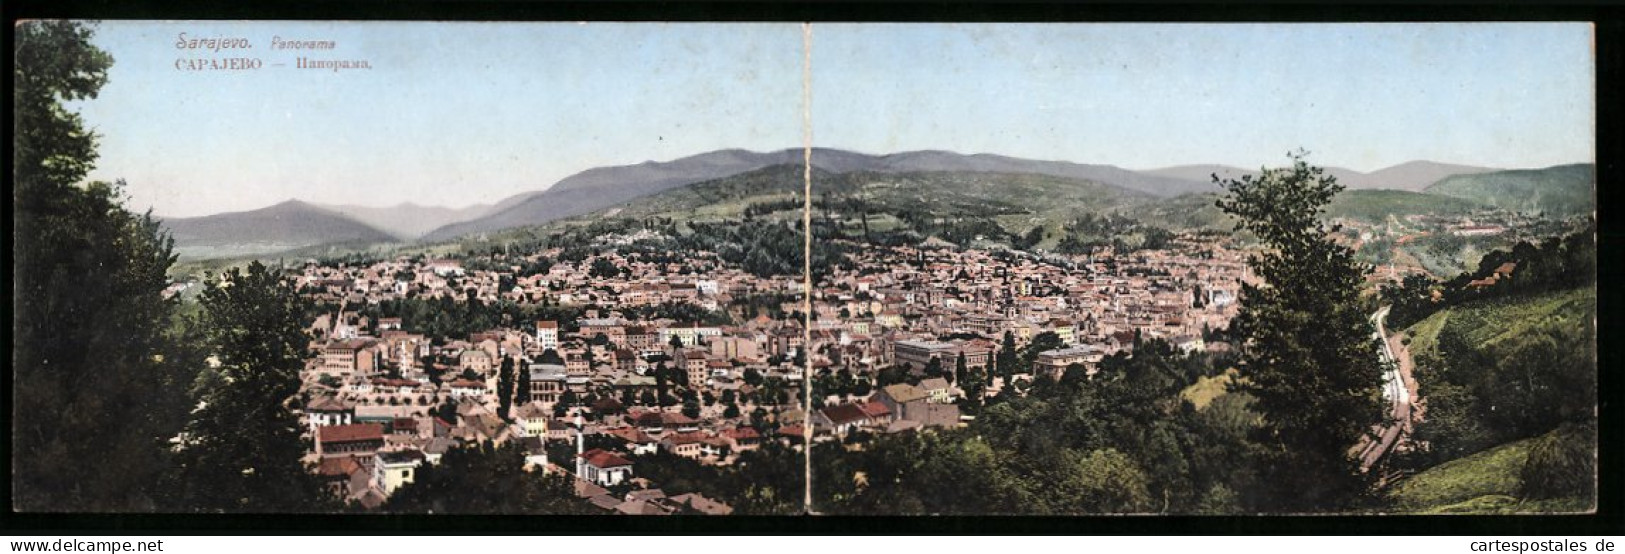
581, 445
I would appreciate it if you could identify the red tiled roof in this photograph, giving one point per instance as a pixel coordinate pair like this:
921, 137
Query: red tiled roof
629, 434
686, 438
603, 459
876, 408
844, 414
742, 433
338, 467
350, 433
676, 418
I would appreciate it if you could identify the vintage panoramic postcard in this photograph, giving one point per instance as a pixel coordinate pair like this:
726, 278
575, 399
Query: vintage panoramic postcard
801, 269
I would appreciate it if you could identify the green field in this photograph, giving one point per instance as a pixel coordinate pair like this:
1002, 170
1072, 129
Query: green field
1487, 481
1377, 206
1494, 321
1483, 483
1206, 388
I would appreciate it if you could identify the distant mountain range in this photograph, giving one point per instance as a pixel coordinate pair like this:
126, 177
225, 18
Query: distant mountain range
603, 187
286, 226
302, 224
408, 221
1412, 176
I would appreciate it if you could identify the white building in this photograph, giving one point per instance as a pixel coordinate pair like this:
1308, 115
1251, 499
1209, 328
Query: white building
391, 470
547, 334
598, 466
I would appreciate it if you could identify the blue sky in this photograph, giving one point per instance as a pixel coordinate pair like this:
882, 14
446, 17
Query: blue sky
451, 113
460, 113
1363, 96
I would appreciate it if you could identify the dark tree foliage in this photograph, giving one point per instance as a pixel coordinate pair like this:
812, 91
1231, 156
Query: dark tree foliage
506, 383
242, 448
1562, 464
1308, 356
486, 480
1410, 300
521, 385
661, 386
679, 311
100, 379
1042, 342
1481, 395
1007, 358
765, 481
1120, 442
603, 268
451, 317
959, 374
691, 405
1556, 263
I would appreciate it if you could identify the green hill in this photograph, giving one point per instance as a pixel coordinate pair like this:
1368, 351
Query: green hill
1561, 191
1504, 322
973, 193
1187, 211
1486, 481
1483, 483
1377, 205
1498, 375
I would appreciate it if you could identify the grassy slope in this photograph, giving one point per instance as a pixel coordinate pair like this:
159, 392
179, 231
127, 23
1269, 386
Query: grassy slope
1487, 482
1206, 389
1377, 205
1483, 483
1492, 321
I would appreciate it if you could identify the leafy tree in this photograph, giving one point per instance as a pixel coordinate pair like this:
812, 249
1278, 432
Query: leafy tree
1562, 464
505, 388
1100, 482
603, 268
1411, 300
242, 448
691, 406
1043, 342
958, 376
660, 383
100, 374
486, 480
1006, 358
1308, 360
933, 367
521, 385
446, 411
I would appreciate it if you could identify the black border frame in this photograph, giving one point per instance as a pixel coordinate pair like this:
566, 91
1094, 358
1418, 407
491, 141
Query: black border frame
1609, 21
